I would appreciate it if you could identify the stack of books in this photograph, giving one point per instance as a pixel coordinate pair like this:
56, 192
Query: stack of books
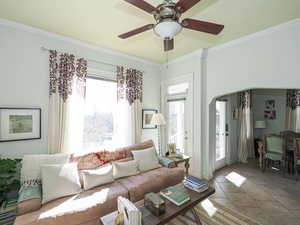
195, 184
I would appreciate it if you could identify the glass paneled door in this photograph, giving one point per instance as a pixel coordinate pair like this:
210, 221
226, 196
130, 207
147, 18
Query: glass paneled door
179, 112
176, 124
221, 135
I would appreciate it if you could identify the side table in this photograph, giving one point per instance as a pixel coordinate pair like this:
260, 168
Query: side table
184, 159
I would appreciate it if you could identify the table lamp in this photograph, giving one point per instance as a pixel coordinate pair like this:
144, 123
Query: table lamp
158, 120
260, 124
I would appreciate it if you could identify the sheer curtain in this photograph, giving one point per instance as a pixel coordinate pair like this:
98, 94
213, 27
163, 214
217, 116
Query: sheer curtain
130, 96
245, 146
292, 121
66, 102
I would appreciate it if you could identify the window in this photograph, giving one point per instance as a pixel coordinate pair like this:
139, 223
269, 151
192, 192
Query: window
178, 88
176, 124
100, 108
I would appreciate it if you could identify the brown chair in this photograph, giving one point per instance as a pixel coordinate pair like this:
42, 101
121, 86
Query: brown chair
296, 156
274, 151
289, 148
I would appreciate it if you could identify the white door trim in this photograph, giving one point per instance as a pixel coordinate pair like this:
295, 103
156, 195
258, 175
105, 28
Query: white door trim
190, 98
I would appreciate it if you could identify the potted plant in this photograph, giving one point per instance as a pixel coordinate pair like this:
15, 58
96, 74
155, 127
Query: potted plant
9, 177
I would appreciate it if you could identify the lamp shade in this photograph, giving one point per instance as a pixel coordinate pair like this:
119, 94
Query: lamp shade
260, 124
158, 120
167, 29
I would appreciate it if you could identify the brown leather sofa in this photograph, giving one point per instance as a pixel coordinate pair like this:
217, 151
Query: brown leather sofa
88, 206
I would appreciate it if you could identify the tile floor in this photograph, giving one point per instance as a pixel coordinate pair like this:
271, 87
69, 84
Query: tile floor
268, 197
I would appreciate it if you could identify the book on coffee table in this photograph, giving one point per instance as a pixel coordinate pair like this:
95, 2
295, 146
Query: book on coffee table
175, 195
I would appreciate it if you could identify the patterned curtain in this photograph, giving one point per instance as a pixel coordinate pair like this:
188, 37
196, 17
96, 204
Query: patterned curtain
293, 110
245, 147
130, 85
66, 98
130, 96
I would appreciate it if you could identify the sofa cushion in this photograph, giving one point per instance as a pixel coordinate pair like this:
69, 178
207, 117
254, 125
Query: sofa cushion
78, 209
86, 162
125, 169
96, 159
59, 181
136, 147
31, 171
97, 177
151, 181
146, 159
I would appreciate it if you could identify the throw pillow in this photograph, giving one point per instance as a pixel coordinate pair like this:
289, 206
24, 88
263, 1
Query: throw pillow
97, 177
87, 161
59, 181
125, 169
96, 159
31, 167
107, 157
147, 159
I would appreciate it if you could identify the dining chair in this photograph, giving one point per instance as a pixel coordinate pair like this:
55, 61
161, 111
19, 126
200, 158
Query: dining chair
274, 151
289, 148
297, 156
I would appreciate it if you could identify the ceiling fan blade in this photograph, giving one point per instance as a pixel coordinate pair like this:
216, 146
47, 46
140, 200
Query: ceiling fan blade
142, 5
168, 44
202, 26
185, 5
136, 31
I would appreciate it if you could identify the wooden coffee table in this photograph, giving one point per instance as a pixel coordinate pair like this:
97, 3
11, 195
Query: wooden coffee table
171, 209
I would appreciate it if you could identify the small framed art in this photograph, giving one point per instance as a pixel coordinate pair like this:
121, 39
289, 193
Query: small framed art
17, 124
147, 117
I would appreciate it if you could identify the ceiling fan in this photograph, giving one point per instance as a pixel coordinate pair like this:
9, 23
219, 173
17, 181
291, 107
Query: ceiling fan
167, 17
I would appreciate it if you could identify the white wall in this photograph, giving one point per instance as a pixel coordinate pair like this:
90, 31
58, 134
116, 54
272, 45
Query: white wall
24, 76
190, 64
273, 126
269, 59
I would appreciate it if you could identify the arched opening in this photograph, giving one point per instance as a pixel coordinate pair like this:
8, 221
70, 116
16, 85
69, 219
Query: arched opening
268, 116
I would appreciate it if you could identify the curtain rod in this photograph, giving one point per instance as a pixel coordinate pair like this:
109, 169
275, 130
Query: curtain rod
88, 59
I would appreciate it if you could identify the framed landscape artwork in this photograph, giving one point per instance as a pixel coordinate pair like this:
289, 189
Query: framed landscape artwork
147, 117
18, 124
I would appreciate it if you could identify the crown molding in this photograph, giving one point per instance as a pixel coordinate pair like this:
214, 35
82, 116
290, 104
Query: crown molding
26, 28
198, 53
256, 35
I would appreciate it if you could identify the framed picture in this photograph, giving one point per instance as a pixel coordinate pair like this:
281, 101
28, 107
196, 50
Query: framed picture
235, 114
270, 112
17, 124
147, 117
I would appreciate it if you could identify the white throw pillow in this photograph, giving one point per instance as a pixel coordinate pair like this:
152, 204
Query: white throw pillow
31, 165
59, 181
147, 159
125, 169
97, 177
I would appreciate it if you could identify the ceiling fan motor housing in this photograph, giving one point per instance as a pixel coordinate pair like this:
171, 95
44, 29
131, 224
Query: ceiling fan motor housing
167, 20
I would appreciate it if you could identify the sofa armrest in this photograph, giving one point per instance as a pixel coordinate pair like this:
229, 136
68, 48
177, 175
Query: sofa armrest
30, 199
166, 162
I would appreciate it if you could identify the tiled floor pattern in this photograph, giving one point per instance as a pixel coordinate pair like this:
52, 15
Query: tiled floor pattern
268, 198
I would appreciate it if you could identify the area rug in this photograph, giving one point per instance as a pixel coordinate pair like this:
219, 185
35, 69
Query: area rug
213, 213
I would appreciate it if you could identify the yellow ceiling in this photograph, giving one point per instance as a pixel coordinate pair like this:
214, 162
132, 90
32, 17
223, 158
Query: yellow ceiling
99, 22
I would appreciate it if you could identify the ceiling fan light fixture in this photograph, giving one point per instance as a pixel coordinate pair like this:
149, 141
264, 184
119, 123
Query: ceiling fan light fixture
167, 29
